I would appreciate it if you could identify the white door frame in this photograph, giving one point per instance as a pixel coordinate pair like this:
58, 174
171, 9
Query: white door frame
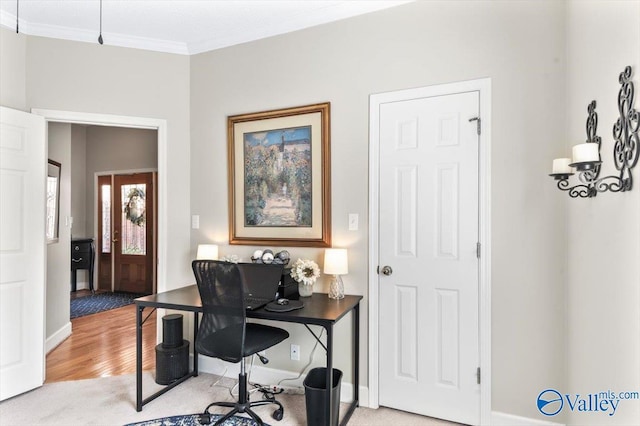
160, 125
484, 275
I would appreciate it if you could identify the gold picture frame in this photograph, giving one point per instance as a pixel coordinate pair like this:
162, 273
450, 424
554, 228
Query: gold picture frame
280, 177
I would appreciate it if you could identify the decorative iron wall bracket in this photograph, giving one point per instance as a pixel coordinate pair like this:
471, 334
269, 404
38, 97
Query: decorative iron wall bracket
626, 150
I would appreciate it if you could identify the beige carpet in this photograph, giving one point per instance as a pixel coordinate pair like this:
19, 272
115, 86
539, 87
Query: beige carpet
111, 401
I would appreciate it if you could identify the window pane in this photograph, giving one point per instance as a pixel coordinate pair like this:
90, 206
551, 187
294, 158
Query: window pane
106, 218
134, 224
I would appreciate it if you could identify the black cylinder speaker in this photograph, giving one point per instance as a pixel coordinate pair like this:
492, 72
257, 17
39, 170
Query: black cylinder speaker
172, 355
172, 331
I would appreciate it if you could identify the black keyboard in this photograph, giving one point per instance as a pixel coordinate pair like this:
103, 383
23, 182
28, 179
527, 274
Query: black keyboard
255, 302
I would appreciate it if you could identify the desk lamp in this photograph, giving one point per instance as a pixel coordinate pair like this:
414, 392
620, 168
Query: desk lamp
207, 252
336, 263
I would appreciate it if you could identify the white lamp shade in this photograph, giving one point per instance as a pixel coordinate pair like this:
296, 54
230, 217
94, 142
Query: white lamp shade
336, 261
207, 252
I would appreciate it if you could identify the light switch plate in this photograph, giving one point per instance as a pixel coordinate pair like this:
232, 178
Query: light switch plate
195, 221
353, 221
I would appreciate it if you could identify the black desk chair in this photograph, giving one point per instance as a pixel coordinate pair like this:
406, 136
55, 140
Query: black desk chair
225, 334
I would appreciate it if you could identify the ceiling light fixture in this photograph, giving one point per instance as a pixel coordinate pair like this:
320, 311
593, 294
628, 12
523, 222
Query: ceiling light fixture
100, 36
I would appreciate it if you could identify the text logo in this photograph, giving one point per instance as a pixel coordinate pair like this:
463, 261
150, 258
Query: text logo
550, 402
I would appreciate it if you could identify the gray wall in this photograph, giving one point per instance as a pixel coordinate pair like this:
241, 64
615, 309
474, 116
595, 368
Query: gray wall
520, 46
12, 69
59, 253
79, 182
603, 292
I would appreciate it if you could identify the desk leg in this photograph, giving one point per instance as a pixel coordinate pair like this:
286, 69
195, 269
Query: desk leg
195, 351
356, 354
139, 310
329, 378
355, 366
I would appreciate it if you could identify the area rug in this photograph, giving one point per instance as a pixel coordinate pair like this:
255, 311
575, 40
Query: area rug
192, 420
99, 302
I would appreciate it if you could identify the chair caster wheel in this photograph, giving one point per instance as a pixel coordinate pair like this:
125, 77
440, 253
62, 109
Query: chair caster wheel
278, 414
204, 419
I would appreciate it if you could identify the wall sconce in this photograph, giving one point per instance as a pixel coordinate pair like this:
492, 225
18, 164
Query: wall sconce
586, 157
207, 252
336, 263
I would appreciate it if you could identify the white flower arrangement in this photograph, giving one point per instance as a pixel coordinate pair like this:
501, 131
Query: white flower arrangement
231, 258
305, 271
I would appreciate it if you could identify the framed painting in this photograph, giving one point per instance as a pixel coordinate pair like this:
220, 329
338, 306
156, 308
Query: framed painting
280, 177
52, 224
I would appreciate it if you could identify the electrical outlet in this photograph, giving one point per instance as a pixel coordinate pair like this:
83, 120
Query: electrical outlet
295, 352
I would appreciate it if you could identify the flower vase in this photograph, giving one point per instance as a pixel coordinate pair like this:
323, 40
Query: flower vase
305, 290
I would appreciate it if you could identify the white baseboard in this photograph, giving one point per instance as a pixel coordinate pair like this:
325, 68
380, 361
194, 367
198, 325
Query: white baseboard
504, 419
58, 337
82, 285
271, 376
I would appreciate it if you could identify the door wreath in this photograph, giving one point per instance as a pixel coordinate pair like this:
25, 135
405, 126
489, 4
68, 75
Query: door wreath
134, 208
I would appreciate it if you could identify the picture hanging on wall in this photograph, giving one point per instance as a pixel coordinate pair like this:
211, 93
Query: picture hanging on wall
279, 177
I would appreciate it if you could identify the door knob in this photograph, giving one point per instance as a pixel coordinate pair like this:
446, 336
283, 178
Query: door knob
386, 270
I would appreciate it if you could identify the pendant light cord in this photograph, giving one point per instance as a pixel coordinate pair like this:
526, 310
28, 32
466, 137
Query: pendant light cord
17, 16
100, 36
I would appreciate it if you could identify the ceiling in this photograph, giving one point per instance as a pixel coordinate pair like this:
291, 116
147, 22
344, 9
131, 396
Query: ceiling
178, 26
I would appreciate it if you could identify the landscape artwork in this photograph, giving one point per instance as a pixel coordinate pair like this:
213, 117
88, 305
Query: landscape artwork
278, 178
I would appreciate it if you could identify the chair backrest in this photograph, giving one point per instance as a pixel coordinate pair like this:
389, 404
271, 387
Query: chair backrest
222, 328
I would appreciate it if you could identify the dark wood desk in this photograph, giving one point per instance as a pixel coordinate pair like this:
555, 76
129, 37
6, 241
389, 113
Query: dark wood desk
318, 310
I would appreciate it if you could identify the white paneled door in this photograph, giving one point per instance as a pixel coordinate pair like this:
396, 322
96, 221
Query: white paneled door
22, 251
428, 278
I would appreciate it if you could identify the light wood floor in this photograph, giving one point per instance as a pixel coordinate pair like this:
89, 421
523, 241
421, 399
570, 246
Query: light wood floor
102, 345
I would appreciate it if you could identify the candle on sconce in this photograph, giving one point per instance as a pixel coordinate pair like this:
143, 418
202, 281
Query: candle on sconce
586, 152
561, 166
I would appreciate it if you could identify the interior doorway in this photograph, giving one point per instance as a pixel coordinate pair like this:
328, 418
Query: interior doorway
160, 127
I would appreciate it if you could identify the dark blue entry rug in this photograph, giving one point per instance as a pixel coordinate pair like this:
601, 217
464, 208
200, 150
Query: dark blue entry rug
192, 420
99, 302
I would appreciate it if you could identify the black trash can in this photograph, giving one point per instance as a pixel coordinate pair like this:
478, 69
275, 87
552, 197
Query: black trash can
315, 395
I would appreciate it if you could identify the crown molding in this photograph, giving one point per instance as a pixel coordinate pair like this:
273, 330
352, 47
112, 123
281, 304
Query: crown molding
110, 39
257, 31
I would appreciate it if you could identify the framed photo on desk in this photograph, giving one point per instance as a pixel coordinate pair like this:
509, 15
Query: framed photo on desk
280, 177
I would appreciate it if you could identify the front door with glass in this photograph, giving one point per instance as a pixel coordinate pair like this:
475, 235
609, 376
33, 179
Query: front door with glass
127, 232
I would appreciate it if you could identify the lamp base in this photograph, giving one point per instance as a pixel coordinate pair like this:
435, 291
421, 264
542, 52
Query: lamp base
336, 288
